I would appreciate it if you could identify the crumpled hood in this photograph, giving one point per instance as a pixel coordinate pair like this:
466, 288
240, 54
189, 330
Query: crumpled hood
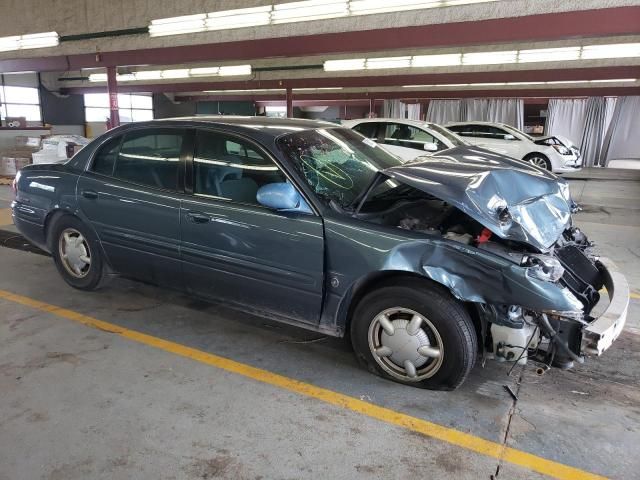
482, 183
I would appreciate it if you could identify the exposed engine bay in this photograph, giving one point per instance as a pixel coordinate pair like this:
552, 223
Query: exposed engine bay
511, 333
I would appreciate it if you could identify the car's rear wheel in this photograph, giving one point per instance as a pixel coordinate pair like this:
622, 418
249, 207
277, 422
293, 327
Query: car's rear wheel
76, 253
415, 333
539, 160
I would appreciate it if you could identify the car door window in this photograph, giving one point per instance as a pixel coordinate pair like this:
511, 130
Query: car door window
231, 168
105, 159
151, 157
368, 129
489, 131
408, 136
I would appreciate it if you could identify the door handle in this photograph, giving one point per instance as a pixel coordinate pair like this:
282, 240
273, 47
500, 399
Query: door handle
92, 194
199, 217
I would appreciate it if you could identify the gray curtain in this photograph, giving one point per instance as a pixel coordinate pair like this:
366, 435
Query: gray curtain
413, 111
598, 116
394, 109
506, 110
622, 140
474, 109
443, 111
567, 117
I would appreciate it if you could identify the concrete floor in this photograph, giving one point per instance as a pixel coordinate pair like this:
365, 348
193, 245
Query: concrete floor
77, 402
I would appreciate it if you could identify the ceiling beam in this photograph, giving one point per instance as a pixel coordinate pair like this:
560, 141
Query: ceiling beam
541, 27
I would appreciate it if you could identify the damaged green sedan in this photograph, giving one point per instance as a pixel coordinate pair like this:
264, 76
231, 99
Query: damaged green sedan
427, 265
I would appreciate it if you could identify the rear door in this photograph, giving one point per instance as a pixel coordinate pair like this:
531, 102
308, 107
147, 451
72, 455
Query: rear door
236, 250
131, 194
490, 137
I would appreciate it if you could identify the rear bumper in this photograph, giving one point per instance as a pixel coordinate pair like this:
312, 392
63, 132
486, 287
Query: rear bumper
598, 335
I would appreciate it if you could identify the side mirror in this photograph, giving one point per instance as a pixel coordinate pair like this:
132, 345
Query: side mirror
431, 147
282, 197
509, 137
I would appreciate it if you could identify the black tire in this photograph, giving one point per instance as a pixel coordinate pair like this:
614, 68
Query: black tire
95, 274
537, 159
453, 326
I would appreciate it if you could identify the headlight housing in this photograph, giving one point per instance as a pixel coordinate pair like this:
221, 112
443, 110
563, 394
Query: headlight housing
543, 267
562, 150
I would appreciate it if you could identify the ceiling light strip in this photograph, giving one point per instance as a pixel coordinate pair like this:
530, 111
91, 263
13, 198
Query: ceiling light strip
290, 12
224, 71
522, 84
586, 52
25, 42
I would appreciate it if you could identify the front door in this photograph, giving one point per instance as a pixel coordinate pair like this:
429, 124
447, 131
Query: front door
236, 250
131, 195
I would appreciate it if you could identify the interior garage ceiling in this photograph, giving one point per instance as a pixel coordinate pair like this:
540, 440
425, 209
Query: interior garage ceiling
291, 55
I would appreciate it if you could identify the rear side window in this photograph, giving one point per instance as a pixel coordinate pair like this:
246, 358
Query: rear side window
230, 168
408, 136
151, 157
105, 159
368, 129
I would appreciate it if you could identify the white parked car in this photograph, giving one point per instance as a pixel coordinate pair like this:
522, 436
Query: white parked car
408, 139
554, 153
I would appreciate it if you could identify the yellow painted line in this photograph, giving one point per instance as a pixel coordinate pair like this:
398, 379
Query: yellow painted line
433, 430
635, 295
5, 217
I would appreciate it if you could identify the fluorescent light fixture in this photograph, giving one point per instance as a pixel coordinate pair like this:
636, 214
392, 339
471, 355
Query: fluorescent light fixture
254, 90
239, 18
235, 70
33, 40
148, 75
549, 54
177, 73
514, 84
341, 65
98, 77
290, 12
126, 77
388, 62
204, 71
443, 60
620, 50
309, 10
178, 25
615, 80
490, 58
316, 89
367, 7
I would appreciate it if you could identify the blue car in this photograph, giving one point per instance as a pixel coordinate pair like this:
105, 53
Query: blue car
427, 265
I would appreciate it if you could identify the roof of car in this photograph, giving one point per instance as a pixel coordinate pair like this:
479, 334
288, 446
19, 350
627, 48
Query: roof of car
258, 126
473, 122
403, 121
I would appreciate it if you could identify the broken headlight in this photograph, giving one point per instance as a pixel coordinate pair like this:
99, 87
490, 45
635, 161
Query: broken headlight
562, 150
543, 267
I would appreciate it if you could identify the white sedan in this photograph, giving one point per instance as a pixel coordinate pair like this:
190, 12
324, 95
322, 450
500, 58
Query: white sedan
408, 139
553, 153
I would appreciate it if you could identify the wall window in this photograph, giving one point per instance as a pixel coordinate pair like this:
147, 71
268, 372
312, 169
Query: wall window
18, 101
132, 107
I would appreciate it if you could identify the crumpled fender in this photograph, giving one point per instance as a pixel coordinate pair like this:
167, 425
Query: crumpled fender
477, 276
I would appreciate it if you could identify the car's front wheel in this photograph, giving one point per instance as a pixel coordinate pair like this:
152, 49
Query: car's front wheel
539, 160
76, 254
415, 333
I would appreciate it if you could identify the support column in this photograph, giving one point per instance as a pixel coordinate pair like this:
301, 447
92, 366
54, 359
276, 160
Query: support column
289, 102
112, 89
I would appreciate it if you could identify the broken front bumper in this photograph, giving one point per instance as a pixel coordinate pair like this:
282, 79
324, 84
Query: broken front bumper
598, 335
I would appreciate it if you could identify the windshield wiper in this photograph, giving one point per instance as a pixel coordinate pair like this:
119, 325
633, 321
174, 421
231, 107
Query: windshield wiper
362, 196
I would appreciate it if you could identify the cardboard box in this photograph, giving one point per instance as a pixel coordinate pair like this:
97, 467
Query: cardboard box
9, 166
